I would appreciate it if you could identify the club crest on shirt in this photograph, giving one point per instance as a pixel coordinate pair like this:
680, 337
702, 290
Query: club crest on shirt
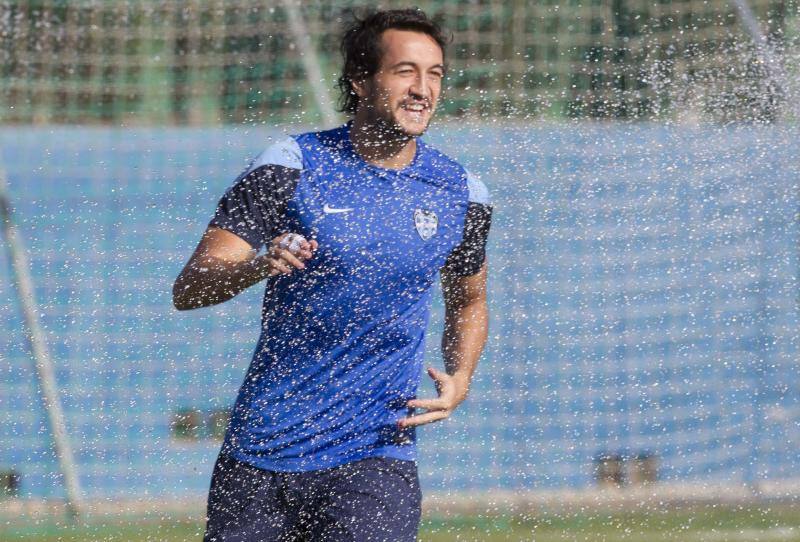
425, 222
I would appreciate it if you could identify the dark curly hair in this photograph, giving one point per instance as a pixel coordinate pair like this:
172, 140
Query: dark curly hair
361, 46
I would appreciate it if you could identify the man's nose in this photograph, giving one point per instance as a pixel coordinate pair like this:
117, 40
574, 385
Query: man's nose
420, 88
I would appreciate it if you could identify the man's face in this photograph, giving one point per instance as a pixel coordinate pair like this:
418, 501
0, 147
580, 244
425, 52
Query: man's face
403, 93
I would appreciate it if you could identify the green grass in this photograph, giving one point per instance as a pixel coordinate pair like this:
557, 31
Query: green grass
699, 524
710, 523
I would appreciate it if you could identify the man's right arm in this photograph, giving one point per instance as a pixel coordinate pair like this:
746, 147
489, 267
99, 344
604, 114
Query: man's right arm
248, 216
224, 264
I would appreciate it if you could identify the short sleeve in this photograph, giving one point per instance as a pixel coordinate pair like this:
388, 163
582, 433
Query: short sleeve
254, 207
468, 257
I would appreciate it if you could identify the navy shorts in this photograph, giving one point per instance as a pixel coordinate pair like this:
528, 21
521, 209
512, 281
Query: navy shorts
375, 499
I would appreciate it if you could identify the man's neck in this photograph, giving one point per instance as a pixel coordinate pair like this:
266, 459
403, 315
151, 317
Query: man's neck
381, 146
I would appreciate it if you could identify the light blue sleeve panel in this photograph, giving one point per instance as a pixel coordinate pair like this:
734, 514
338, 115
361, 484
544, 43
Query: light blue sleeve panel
285, 152
254, 205
478, 193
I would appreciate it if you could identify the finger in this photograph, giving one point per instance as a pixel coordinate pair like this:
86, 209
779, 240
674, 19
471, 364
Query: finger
429, 404
305, 252
290, 258
283, 242
277, 240
422, 419
275, 248
442, 380
437, 375
307, 249
280, 266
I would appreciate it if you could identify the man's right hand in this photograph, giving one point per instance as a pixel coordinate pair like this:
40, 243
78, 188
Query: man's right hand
224, 264
282, 260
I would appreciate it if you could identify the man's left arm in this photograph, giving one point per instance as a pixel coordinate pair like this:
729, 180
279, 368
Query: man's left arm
466, 328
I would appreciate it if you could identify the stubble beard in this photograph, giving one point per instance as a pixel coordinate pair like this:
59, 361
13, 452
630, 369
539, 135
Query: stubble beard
389, 128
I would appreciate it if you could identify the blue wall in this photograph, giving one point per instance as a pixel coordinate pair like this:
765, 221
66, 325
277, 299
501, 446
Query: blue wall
643, 293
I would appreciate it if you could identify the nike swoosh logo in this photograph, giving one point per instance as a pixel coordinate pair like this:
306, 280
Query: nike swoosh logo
328, 209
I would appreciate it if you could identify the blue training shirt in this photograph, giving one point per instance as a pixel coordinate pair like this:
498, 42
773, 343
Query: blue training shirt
342, 341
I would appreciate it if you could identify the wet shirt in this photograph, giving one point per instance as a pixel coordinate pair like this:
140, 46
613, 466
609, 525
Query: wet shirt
342, 341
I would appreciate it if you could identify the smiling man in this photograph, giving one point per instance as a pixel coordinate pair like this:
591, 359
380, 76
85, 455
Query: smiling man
358, 222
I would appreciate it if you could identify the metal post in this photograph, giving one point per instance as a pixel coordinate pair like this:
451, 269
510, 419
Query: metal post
310, 62
41, 355
776, 75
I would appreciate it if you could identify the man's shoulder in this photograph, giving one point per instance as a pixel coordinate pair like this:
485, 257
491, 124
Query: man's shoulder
284, 152
322, 146
436, 159
334, 137
290, 151
443, 164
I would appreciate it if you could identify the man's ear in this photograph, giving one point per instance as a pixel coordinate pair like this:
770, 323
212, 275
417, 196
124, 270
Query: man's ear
359, 87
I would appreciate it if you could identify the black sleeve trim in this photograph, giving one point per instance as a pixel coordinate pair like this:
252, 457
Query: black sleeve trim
254, 207
467, 258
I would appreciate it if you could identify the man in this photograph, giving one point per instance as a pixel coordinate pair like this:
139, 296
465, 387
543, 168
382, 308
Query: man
321, 443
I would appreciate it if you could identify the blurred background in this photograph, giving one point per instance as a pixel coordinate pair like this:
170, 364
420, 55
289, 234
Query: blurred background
642, 157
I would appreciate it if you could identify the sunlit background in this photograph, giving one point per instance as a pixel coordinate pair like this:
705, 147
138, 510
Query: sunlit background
642, 158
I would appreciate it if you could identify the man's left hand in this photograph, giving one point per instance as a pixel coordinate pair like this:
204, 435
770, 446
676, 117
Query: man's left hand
451, 393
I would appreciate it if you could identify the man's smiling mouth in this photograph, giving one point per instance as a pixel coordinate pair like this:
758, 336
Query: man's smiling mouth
415, 107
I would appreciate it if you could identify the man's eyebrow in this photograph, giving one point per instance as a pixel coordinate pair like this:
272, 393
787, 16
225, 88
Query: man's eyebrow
409, 63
